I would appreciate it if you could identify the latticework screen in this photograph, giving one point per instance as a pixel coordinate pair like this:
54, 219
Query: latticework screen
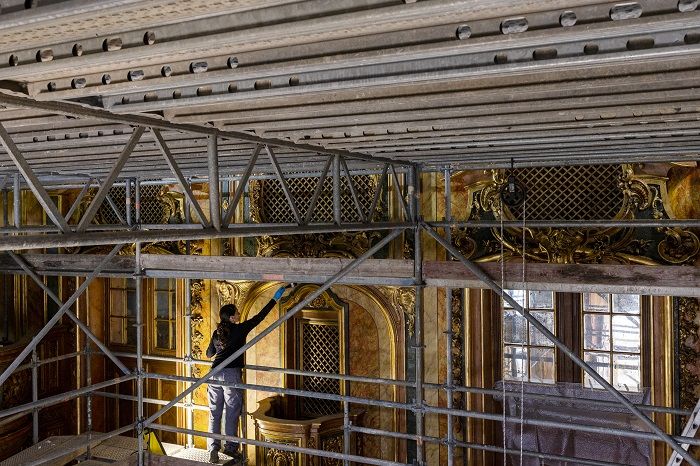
153, 211
320, 353
275, 207
571, 193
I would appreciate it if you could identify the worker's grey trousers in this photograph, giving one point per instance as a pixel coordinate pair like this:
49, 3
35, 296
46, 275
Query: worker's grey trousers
232, 398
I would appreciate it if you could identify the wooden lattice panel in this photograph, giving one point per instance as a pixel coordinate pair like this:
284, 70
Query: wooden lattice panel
276, 209
571, 193
320, 353
152, 209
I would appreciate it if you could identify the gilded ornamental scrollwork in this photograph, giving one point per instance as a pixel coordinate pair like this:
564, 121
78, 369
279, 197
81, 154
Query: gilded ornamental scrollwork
403, 300
679, 246
333, 444
275, 457
457, 348
345, 245
197, 289
689, 350
233, 292
577, 193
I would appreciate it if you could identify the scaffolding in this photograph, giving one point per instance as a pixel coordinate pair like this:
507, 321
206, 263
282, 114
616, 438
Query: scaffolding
220, 222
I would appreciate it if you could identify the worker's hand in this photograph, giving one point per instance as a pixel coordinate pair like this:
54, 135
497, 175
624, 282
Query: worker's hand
279, 293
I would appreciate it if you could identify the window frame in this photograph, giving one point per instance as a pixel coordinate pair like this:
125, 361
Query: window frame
126, 319
643, 322
568, 309
528, 345
172, 319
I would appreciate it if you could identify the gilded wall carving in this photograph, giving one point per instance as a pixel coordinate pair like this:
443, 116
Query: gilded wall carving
235, 293
457, 348
333, 444
345, 245
689, 350
197, 289
275, 457
577, 193
403, 301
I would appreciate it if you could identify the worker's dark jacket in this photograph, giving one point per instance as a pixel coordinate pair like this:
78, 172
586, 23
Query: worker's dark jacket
237, 337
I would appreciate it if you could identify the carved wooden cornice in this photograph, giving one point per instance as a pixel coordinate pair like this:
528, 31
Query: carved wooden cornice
638, 196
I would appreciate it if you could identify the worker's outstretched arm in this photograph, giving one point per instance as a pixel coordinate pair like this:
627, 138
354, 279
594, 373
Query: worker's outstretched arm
251, 323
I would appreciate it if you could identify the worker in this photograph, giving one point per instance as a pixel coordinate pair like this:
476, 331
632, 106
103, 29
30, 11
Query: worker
230, 336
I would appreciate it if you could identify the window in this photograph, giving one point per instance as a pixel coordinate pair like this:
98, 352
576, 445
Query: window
605, 329
122, 311
166, 306
527, 353
612, 339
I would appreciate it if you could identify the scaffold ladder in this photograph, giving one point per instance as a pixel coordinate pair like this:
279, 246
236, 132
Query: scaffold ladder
690, 429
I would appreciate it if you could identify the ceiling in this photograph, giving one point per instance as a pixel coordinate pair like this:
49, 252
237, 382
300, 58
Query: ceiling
460, 83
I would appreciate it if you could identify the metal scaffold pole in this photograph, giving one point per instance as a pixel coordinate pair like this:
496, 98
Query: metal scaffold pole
188, 360
35, 396
140, 425
449, 382
414, 207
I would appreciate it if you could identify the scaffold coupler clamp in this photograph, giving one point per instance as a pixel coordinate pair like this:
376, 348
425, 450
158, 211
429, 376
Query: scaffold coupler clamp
140, 426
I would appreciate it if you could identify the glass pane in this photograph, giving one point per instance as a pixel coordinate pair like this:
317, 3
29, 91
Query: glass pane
517, 295
601, 363
163, 335
596, 302
162, 284
514, 327
131, 302
627, 372
626, 333
130, 332
541, 300
596, 332
172, 305
542, 365
117, 306
162, 301
625, 303
116, 331
546, 318
514, 362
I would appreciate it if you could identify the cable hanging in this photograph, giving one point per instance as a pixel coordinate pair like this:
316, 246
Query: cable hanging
513, 194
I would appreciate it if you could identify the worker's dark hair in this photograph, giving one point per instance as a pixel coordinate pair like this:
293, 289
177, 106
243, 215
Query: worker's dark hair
223, 330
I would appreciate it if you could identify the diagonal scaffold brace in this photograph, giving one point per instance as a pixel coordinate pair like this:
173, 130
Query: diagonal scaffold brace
476, 270
344, 271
